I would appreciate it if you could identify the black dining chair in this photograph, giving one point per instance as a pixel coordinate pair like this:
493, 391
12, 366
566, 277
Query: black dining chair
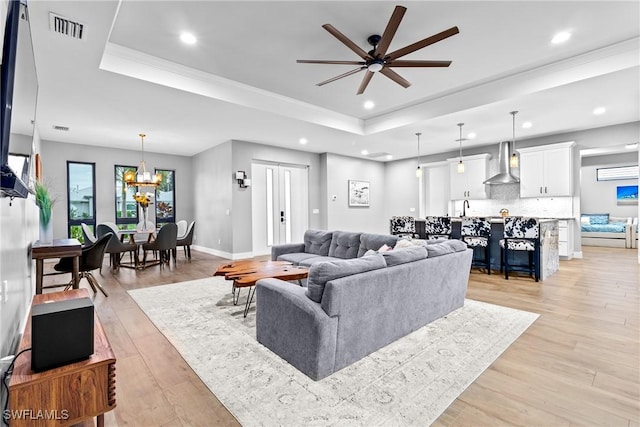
164, 243
115, 248
91, 259
186, 241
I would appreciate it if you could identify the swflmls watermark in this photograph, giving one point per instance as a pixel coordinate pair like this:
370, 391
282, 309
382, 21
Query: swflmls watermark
35, 414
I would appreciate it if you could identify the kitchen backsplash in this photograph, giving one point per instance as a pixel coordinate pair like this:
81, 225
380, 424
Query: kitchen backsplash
507, 197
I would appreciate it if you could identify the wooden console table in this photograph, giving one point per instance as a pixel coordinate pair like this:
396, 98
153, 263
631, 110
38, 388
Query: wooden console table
60, 248
66, 395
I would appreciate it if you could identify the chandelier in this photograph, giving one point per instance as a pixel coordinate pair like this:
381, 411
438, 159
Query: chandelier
142, 177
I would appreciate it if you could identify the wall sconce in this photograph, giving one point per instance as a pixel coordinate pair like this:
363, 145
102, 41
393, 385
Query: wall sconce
243, 181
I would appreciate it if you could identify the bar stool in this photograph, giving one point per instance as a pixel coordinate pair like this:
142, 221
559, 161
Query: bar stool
521, 234
437, 227
475, 232
403, 226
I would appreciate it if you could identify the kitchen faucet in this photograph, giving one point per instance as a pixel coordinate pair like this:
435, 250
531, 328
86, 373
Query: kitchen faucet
464, 210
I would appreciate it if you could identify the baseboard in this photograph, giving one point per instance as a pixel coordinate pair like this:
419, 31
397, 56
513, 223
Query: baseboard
577, 255
222, 254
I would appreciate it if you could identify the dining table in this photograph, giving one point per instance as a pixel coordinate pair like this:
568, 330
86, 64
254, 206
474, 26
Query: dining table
150, 233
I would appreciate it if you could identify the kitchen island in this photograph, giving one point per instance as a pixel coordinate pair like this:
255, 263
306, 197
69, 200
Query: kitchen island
549, 253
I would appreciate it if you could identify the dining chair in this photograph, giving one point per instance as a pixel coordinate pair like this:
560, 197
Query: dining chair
164, 243
87, 234
186, 241
115, 248
91, 259
182, 228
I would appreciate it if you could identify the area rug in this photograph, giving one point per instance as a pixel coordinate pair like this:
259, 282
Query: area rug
407, 383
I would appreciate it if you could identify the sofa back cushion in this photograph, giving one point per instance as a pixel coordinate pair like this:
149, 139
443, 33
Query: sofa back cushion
446, 247
317, 242
374, 242
321, 273
404, 255
344, 244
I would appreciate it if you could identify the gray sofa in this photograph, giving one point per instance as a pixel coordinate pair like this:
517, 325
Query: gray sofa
352, 307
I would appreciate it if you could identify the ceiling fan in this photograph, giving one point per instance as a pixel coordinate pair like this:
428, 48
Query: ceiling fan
377, 59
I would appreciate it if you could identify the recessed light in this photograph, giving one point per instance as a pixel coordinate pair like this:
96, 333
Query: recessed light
561, 37
599, 110
188, 38
631, 146
526, 125
303, 141
471, 135
364, 152
369, 105
389, 157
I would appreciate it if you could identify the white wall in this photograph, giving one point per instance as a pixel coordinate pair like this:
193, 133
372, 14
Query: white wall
18, 229
341, 216
54, 168
600, 196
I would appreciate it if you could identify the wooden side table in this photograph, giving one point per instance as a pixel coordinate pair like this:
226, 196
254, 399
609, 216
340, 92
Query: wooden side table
58, 249
66, 395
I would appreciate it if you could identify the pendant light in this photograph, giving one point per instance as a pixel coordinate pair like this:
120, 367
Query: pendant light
418, 169
513, 161
460, 164
142, 177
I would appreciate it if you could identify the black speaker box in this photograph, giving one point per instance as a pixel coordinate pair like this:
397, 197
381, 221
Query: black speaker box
61, 333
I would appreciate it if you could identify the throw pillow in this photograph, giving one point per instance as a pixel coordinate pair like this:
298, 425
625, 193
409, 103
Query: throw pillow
384, 248
370, 252
599, 219
323, 272
403, 243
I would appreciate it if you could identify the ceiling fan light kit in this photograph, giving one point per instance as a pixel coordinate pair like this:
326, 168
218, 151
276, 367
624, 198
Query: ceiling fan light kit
378, 60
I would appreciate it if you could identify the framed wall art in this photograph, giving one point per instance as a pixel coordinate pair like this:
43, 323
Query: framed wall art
359, 193
627, 195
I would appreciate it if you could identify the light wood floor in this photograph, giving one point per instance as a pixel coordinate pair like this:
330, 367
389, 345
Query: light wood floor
578, 364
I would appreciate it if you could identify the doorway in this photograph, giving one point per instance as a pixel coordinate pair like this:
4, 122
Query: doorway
280, 205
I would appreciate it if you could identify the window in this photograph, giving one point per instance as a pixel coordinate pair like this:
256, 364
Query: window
81, 194
126, 206
166, 197
621, 172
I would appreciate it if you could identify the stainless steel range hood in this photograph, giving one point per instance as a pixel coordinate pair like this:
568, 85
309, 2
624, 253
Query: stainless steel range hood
504, 176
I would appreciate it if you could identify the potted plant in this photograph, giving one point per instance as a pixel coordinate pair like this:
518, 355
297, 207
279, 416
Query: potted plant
44, 202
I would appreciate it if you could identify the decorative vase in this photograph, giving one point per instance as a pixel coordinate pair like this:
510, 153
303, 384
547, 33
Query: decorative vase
46, 232
144, 210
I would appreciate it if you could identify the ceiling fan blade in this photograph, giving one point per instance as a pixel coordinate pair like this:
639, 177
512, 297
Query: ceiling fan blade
390, 31
422, 43
401, 63
348, 73
365, 81
351, 45
395, 77
313, 61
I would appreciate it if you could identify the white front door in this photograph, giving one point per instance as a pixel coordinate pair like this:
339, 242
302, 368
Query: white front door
280, 205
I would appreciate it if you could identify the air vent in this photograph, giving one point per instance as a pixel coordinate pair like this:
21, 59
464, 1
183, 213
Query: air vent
61, 128
66, 27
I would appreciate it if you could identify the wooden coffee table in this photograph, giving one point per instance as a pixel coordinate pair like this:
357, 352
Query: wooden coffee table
246, 273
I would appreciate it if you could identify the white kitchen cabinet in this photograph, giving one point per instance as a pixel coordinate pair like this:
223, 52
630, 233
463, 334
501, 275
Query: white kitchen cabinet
547, 170
469, 184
